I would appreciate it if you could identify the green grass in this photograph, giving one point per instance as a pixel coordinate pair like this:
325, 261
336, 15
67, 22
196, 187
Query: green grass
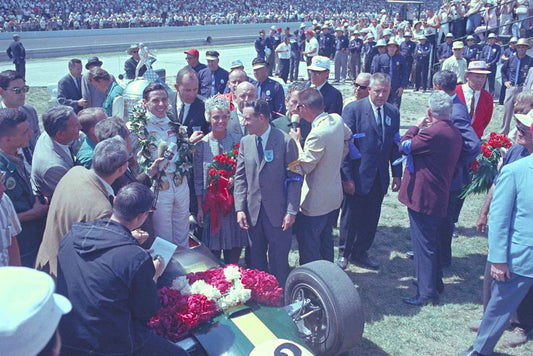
392, 327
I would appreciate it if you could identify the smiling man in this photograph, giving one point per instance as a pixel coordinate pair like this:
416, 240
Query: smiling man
319, 73
478, 100
69, 87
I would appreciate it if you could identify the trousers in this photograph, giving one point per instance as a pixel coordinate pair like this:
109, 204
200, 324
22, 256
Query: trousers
171, 215
341, 63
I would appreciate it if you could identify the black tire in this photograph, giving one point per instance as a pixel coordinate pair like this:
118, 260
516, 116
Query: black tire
337, 325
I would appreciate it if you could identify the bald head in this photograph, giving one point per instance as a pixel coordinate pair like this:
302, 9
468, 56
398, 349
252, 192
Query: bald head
245, 92
236, 77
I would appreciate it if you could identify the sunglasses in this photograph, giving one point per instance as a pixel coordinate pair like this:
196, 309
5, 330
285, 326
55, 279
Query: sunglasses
362, 87
521, 129
24, 89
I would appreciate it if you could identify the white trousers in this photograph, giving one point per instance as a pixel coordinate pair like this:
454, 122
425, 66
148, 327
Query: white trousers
171, 217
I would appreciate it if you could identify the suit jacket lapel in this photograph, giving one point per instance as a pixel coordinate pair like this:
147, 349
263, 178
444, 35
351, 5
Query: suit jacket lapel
371, 116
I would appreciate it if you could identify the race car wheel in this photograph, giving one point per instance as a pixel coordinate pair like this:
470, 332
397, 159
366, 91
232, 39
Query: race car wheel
330, 316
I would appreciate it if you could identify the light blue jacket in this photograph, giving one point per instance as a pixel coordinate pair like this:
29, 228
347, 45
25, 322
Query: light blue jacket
511, 218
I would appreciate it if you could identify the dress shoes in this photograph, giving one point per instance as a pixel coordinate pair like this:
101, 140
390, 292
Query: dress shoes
419, 301
410, 255
517, 337
440, 286
470, 352
365, 262
342, 262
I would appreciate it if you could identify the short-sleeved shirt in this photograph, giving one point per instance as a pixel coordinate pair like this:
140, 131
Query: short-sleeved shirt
9, 227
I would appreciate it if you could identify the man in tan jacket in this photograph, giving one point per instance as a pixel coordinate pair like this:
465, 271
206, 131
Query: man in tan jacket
320, 161
82, 195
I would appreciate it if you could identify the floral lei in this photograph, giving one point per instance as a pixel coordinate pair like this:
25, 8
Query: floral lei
145, 141
197, 297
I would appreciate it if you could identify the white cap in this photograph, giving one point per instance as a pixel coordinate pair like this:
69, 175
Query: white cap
29, 310
320, 63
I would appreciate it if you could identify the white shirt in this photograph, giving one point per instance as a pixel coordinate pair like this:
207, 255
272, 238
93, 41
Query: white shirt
9, 227
161, 130
310, 45
284, 47
179, 104
375, 110
241, 121
108, 188
467, 91
65, 148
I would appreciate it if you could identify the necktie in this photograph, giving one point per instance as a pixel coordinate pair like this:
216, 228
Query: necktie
380, 124
213, 84
182, 111
259, 91
517, 72
260, 152
472, 104
488, 53
390, 69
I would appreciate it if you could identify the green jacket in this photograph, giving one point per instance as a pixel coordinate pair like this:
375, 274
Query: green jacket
113, 91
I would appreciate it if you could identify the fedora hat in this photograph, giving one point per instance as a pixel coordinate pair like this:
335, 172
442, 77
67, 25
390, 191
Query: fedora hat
478, 67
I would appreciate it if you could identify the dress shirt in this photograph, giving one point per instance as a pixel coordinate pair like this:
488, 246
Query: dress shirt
65, 148
283, 47
108, 188
179, 104
375, 110
264, 137
467, 92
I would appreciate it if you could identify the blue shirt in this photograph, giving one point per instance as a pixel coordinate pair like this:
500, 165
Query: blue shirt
205, 78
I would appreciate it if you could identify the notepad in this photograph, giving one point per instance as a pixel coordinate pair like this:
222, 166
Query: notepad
163, 248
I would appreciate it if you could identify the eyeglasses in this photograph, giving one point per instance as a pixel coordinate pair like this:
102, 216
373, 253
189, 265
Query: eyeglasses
134, 51
521, 129
24, 89
362, 87
299, 106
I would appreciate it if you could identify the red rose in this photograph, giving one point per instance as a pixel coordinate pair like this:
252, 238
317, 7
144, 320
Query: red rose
212, 172
223, 173
235, 152
222, 159
237, 145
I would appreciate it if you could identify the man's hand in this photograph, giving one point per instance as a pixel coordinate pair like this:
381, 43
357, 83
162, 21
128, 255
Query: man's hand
499, 271
195, 137
288, 221
39, 209
422, 122
396, 183
481, 223
295, 134
83, 103
241, 220
200, 216
140, 235
154, 168
348, 187
399, 91
507, 84
159, 265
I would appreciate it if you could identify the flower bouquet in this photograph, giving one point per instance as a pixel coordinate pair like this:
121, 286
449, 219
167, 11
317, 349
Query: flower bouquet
197, 297
485, 167
218, 198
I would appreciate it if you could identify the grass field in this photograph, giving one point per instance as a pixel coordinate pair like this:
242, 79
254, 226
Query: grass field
392, 327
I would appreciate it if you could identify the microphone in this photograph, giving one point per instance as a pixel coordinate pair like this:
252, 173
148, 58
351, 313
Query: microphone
161, 149
295, 121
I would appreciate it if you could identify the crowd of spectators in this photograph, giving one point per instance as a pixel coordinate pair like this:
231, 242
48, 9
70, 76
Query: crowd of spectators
25, 15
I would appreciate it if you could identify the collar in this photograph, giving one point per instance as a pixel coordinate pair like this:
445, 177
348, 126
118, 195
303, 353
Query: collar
108, 188
3, 106
73, 77
374, 107
90, 142
314, 124
320, 87
265, 135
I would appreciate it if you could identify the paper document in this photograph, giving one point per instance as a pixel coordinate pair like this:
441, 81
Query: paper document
163, 248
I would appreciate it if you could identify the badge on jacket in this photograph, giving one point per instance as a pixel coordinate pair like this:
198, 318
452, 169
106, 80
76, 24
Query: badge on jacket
269, 155
388, 120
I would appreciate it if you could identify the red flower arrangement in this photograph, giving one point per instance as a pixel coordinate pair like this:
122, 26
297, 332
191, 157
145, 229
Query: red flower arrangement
182, 310
218, 198
485, 167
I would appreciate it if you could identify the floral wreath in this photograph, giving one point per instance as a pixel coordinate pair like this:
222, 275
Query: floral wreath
197, 297
145, 141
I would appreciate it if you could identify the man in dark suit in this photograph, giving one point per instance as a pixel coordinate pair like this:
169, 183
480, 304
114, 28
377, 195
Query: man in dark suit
491, 54
268, 89
267, 193
69, 87
366, 179
213, 79
319, 73
193, 61
432, 157
130, 66
17, 53
471, 146
190, 110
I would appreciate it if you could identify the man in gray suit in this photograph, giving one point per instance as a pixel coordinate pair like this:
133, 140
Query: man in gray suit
267, 193
13, 91
52, 157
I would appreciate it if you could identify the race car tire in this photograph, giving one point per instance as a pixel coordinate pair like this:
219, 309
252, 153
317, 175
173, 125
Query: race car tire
334, 310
